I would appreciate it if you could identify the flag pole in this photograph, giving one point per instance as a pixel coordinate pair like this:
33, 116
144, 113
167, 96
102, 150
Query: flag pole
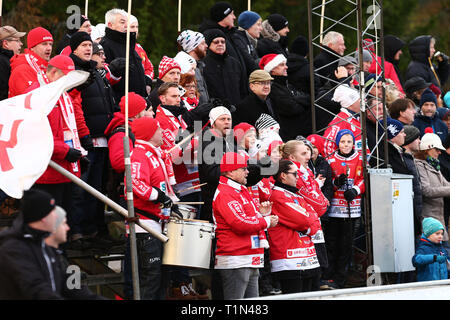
86, 5
129, 190
179, 16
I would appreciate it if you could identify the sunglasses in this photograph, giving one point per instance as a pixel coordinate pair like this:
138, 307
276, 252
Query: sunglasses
295, 173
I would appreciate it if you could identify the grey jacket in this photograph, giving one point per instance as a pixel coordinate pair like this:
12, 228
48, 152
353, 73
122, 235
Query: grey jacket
434, 189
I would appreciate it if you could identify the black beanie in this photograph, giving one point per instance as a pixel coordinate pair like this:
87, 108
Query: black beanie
211, 34
277, 21
300, 46
220, 10
82, 18
36, 204
77, 38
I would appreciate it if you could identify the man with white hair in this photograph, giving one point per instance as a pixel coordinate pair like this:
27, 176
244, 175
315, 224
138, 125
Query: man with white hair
193, 43
114, 46
326, 62
347, 118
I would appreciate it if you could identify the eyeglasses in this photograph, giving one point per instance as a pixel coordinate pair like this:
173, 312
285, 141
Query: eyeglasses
218, 41
295, 173
190, 86
17, 40
263, 83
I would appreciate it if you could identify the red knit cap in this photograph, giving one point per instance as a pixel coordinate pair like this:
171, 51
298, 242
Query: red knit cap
166, 65
38, 35
241, 129
232, 161
144, 128
135, 104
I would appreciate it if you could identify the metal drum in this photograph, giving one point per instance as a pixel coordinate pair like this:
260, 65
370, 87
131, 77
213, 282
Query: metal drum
189, 243
189, 212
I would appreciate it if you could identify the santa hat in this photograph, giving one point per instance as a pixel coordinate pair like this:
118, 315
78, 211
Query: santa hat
144, 128
166, 65
271, 61
135, 104
232, 161
241, 130
38, 35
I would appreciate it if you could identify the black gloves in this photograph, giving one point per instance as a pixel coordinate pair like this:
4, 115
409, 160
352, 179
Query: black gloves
117, 67
350, 194
86, 142
73, 155
90, 80
163, 199
341, 180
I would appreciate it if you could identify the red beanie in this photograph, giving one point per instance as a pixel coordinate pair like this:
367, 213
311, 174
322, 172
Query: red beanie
273, 145
318, 141
144, 128
241, 129
166, 65
232, 161
135, 104
38, 35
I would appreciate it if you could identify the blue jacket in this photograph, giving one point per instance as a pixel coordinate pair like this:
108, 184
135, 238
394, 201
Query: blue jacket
423, 260
439, 127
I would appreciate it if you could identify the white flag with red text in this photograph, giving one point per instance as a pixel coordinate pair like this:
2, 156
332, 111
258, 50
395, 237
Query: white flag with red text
26, 139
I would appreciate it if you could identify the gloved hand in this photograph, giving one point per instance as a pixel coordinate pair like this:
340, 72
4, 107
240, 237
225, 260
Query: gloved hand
73, 155
176, 213
86, 143
350, 194
90, 80
117, 67
84, 164
441, 259
341, 180
163, 199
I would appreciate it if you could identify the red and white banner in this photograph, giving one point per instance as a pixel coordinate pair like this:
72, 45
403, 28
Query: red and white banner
26, 140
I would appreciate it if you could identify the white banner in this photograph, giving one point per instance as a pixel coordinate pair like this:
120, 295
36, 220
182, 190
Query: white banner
26, 139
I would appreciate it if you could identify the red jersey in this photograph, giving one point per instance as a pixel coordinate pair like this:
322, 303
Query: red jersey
353, 167
291, 246
238, 225
146, 63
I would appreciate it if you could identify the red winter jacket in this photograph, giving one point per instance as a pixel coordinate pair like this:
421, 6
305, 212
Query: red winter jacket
115, 142
237, 227
22, 74
146, 63
291, 246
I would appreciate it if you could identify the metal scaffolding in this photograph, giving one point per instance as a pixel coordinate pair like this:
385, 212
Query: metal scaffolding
321, 8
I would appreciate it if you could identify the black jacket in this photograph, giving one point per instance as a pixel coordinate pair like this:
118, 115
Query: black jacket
292, 109
325, 64
224, 78
321, 166
247, 50
213, 147
251, 108
31, 270
392, 45
98, 101
232, 49
5, 72
419, 48
298, 73
114, 45
417, 189
153, 96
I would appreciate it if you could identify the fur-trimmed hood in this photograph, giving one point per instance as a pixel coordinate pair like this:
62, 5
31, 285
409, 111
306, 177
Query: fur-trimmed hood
268, 31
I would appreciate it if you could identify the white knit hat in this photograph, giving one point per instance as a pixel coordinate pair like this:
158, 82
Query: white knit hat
217, 112
185, 61
430, 141
345, 95
189, 40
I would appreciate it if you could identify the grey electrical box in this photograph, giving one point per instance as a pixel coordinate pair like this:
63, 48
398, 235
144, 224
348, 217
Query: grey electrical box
392, 220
